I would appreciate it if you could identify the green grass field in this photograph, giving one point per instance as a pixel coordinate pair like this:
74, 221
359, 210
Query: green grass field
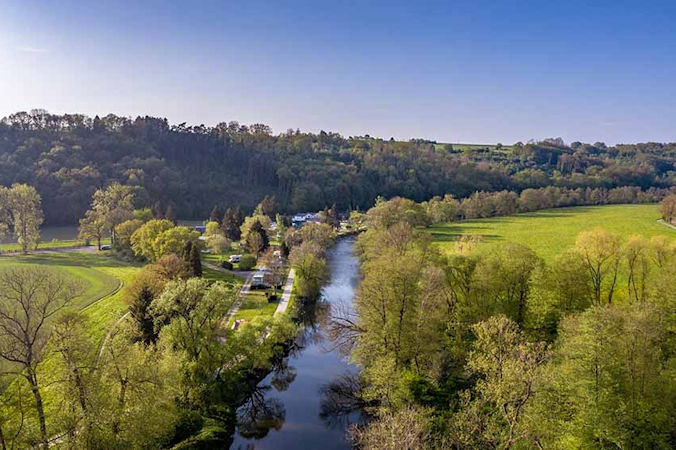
256, 304
551, 232
102, 278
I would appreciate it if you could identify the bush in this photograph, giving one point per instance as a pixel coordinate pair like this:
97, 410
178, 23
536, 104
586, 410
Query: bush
226, 265
247, 262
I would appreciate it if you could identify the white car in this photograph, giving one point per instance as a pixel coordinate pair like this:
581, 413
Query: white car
234, 258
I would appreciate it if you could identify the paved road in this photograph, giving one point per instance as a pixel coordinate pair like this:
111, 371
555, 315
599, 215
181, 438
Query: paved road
286, 294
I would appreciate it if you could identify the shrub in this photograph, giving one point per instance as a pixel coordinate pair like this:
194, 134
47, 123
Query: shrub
226, 265
247, 262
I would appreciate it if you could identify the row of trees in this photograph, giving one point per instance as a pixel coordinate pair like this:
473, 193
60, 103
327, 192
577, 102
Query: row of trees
499, 349
184, 171
505, 203
21, 212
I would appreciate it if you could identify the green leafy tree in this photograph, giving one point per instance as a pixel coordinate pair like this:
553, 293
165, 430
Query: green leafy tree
600, 252
509, 367
143, 240
230, 224
147, 285
124, 232
505, 277
92, 227
113, 205
174, 240
25, 209
247, 262
79, 391
610, 384
668, 208
310, 268
142, 385
191, 255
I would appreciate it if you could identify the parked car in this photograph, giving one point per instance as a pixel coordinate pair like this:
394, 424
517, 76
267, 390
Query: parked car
234, 258
106, 247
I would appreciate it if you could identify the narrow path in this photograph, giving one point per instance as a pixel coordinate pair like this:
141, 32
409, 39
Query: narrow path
666, 224
246, 288
286, 294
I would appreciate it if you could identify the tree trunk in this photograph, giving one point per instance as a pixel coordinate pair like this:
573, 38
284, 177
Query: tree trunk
33, 381
120, 404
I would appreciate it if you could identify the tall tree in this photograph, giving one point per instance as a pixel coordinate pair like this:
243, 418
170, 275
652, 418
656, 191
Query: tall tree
509, 367
76, 353
92, 227
25, 209
5, 217
29, 298
191, 255
230, 225
112, 206
600, 252
216, 215
668, 208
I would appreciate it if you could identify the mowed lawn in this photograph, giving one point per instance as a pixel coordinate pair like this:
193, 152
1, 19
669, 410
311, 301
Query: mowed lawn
551, 232
102, 278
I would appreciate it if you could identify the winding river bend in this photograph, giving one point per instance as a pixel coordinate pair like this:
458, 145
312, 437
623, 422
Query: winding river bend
295, 406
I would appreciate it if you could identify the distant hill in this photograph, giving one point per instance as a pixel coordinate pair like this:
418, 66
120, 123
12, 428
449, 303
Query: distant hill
193, 168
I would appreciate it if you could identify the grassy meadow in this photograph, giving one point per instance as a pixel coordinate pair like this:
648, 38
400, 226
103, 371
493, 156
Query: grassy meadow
551, 232
101, 276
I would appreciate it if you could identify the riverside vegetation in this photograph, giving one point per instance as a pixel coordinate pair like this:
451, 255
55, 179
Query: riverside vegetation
466, 348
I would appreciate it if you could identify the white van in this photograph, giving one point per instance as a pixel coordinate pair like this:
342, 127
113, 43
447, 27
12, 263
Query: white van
234, 258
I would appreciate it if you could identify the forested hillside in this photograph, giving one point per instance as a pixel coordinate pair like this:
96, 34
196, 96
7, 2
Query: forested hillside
193, 168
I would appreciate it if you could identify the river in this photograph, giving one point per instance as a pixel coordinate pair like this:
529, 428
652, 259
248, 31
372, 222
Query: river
295, 407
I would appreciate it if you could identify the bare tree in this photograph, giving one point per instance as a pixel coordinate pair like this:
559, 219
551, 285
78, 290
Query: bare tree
29, 297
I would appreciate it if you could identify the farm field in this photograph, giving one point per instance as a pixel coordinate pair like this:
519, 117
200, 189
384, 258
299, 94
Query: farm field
551, 232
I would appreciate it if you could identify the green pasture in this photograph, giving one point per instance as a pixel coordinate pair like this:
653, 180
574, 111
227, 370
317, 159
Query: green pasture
551, 232
101, 276
256, 304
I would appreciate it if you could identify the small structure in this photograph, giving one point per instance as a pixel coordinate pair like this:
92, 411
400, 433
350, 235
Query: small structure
260, 278
301, 218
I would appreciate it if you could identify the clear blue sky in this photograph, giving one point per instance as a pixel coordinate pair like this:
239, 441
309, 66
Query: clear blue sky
454, 71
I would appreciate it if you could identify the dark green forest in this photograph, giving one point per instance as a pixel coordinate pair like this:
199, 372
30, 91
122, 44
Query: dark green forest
192, 168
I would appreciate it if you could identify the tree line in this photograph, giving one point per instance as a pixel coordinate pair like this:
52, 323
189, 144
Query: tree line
499, 349
181, 170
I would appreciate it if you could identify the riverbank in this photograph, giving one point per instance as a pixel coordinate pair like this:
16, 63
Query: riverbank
290, 407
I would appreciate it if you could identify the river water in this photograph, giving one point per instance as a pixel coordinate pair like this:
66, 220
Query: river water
295, 406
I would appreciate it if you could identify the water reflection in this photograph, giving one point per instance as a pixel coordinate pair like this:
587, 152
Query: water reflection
341, 404
310, 397
259, 415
